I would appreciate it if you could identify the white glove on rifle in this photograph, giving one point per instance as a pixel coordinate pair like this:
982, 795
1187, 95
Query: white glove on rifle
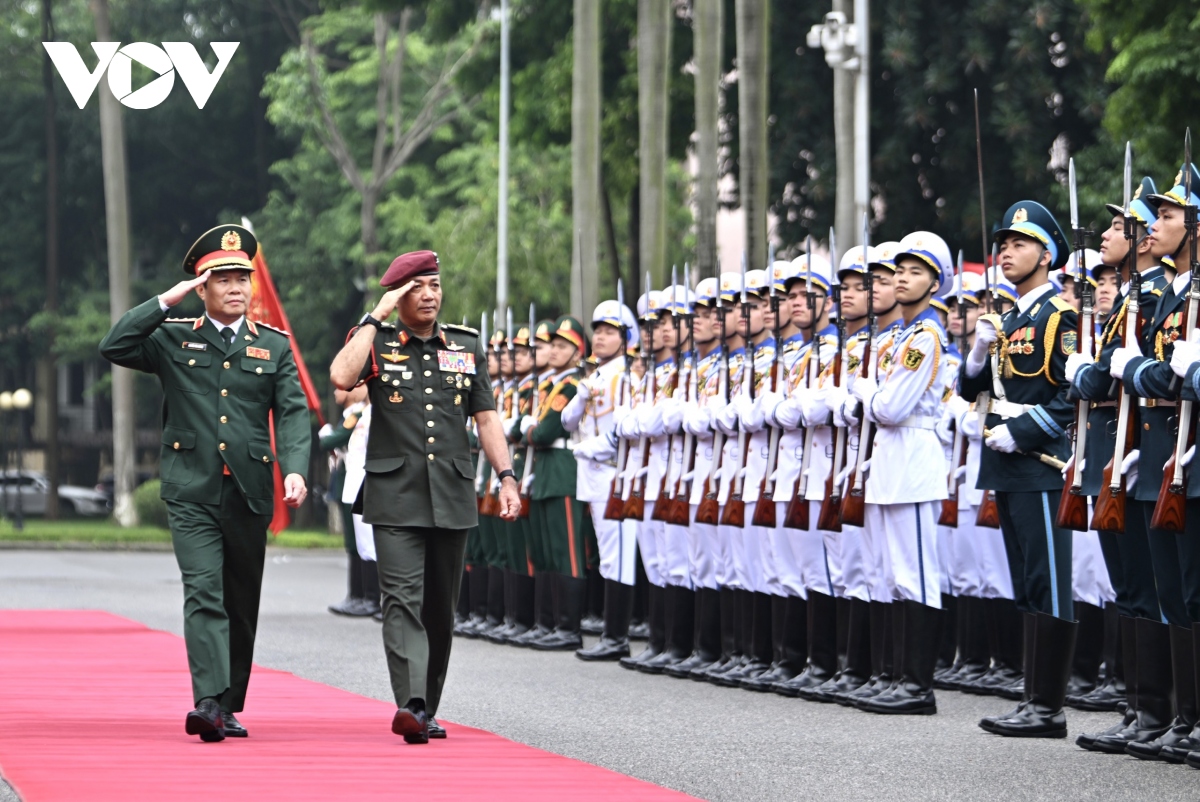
1074, 363
1129, 467
985, 335
789, 412
1120, 359
1001, 440
527, 423
1185, 354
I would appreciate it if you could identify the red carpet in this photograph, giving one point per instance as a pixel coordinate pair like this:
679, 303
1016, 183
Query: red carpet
92, 708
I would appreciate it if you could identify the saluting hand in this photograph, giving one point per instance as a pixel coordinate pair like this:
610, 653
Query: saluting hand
177, 293
387, 304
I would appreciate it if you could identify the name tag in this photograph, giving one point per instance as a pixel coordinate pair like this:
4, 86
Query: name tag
258, 353
196, 346
456, 361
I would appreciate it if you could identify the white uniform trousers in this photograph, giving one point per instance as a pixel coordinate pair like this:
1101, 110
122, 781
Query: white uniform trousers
847, 563
650, 539
675, 551
704, 552
962, 548
784, 577
812, 552
908, 535
617, 541
758, 552
727, 574
876, 559
1090, 582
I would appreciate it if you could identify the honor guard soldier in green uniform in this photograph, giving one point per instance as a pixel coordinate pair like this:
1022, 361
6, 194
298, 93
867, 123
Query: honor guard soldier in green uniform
425, 380
557, 516
223, 376
1019, 361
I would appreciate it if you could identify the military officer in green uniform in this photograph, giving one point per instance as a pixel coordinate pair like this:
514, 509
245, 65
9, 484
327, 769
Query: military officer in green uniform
223, 376
425, 380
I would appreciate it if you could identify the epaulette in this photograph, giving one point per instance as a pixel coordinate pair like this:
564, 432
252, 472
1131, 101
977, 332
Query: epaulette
1155, 292
181, 320
1060, 304
457, 327
272, 328
937, 331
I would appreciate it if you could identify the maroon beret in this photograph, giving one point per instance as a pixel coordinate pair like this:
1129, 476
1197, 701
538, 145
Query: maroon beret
407, 266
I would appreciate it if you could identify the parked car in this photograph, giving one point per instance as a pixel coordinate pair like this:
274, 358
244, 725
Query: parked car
33, 487
107, 484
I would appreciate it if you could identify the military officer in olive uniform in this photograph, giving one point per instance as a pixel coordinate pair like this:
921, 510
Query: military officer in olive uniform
223, 375
425, 380
1019, 360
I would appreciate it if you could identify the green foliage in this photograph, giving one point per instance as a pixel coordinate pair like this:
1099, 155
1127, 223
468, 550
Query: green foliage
151, 509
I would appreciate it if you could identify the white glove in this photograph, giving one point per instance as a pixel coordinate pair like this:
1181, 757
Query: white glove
789, 412
726, 420
1067, 468
1120, 359
1074, 363
764, 410
850, 411
1187, 456
325, 431
599, 448
835, 397
627, 427
957, 406
527, 423
985, 335
815, 406
584, 389
697, 421
969, 421
942, 427
1186, 353
863, 389
673, 410
1129, 467
1001, 440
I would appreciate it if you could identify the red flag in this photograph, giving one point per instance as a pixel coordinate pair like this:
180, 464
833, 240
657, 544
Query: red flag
265, 306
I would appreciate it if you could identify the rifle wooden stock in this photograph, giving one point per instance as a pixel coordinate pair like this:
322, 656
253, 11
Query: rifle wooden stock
635, 505
988, 514
829, 519
949, 514
680, 506
734, 513
764, 511
708, 512
1170, 511
1072, 507
796, 516
664, 505
614, 510
853, 509
490, 503
1109, 515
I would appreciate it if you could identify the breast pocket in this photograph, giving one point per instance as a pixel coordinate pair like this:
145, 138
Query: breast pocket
258, 378
190, 371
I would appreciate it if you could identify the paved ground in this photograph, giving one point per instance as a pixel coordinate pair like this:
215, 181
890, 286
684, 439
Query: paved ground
711, 742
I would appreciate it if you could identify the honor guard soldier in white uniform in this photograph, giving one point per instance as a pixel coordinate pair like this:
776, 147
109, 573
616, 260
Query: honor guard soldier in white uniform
1020, 359
591, 415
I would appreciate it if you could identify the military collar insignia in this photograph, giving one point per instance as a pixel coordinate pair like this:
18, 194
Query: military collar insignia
250, 324
199, 322
1036, 308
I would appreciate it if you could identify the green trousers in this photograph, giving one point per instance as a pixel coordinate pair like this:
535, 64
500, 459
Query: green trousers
560, 527
220, 549
517, 535
420, 573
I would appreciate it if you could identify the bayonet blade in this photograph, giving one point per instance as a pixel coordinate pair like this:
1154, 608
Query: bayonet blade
1074, 197
1128, 176
959, 277
743, 278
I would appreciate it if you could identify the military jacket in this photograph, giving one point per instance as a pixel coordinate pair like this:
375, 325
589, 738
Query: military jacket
1150, 377
217, 402
423, 392
1094, 383
1032, 355
522, 403
707, 394
554, 470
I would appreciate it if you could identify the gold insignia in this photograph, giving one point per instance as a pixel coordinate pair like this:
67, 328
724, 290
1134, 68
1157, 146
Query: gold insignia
392, 345
920, 243
395, 397
1070, 342
467, 382
231, 241
913, 358
248, 338
1020, 215
1179, 178
394, 357
1138, 193
386, 378
458, 399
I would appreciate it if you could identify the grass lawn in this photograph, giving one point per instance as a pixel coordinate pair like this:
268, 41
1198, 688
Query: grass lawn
104, 533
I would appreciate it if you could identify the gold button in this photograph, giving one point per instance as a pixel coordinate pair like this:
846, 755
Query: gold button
224, 419
429, 406
427, 357
221, 446
431, 439
427, 373
226, 365
258, 370
1146, 426
224, 393
177, 444
191, 361
266, 458
428, 390
1089, 424
429, 424
431, 458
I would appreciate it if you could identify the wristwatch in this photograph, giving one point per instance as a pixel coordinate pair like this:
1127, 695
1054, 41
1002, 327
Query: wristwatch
506, 474
367, 320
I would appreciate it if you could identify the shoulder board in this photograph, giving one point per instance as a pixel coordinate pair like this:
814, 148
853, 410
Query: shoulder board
1155, 292
1060, 304
181, 320
457, 327
937, 331
272, 328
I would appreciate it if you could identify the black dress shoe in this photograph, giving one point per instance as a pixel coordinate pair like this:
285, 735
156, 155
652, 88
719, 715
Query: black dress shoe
537, 633
764, 682
591, 625
696, 660
1171, 747
413, 725
1106, 698
233, 727
639, 630
378, 616
605, 649
436, 730
206, 721
1087, 740
558, 641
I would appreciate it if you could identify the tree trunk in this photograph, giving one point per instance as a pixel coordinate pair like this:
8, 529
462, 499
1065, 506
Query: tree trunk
116, 214
753, 167
708, 34
50, 385
654, 63
848, 226
610, 232
633, 288
585, 159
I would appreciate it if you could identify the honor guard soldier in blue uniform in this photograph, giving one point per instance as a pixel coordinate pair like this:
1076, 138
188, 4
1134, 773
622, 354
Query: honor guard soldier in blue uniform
1019, 362
223, 377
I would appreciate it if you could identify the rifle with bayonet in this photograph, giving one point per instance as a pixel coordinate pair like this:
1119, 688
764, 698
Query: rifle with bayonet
664, 505
958, 451
1109, 512
735, 506
708, 510
853, 510
680, 504
1170, 509
614, 510
796, 516
988, 514
1072, 506
829, 518
635, 505
764, 511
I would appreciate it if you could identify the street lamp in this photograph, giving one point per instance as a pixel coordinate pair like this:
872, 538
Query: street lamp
21, 401
6, 404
